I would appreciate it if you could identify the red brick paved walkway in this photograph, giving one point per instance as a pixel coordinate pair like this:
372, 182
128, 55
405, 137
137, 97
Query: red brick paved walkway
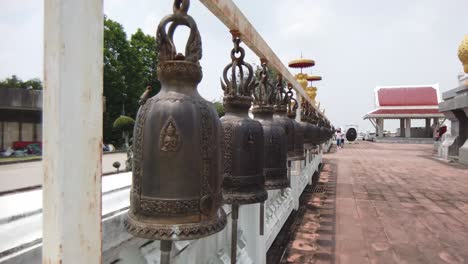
390, 203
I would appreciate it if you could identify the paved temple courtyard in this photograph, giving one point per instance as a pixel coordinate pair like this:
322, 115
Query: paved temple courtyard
383, 203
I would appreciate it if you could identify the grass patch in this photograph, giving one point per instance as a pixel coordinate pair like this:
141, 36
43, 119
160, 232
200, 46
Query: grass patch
18, 159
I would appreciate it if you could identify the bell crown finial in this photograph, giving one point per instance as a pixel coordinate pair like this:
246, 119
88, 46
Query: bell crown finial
264, 91
173, 65
239, 86
165, 40
292, 102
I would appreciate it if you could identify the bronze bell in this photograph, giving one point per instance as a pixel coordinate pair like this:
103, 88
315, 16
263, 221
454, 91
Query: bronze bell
244, 181
309, 129
280, 117
323, 132
177, 166
298, 129
312, 119
275, 156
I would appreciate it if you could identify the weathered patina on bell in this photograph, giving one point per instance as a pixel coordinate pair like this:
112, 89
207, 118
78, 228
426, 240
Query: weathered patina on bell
280, 116
177, 168
275, 152
298, 129
244, 182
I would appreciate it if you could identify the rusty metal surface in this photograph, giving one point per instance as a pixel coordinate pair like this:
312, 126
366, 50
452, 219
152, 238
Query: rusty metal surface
73, 76
177, 171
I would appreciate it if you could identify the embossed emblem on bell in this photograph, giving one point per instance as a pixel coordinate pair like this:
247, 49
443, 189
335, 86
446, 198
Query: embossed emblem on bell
177, 167
275, 152
298, 129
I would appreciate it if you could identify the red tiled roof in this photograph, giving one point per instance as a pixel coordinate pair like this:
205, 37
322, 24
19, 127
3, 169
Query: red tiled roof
407, 96
405, 112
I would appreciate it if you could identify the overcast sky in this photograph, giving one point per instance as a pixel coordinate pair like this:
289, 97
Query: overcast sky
357, 45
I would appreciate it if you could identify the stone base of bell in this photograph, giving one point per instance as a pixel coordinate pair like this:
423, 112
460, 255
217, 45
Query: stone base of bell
149, 228
245, 198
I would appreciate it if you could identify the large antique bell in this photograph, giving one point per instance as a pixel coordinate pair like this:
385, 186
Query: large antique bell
298, 129
275, 153
244, 181
177, 166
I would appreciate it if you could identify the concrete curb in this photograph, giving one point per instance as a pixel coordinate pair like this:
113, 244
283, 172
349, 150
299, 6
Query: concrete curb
39, 158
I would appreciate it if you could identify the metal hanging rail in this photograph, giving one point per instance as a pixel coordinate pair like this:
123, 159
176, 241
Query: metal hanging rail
234, 19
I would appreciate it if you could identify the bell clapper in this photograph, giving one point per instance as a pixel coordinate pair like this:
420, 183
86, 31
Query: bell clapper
235, 217
166, 247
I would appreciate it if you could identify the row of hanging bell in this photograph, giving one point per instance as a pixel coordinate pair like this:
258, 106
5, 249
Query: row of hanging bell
244, 156
181, 172
312, 132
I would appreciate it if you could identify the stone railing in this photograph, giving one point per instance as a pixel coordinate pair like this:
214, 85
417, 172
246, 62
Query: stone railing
21, 225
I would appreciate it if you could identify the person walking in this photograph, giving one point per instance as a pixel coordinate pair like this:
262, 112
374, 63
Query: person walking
338, 135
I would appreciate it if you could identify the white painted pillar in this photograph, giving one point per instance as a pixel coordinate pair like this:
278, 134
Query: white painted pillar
428, 128
72, 134
408, 127
402, 127
380, 127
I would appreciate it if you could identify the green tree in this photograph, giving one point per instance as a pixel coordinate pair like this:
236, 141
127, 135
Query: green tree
129, 66
116, 49
15, 82
219, 108
144, 46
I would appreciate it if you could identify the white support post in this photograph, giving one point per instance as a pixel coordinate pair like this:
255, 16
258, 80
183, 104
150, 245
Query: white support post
73, 58
380, 127
408, 127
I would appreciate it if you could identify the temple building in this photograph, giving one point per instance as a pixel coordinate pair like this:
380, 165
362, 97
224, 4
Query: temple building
20, 117
406, 103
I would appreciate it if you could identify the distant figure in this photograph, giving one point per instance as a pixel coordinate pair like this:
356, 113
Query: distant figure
338, 135
342, 140
440, 132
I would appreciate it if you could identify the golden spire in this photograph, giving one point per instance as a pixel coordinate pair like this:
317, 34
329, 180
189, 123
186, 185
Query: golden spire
463, 53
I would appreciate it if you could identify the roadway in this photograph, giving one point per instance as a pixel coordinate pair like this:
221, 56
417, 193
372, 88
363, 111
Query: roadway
29, 174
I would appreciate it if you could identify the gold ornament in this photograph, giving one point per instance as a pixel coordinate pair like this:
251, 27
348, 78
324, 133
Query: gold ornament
463, 53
